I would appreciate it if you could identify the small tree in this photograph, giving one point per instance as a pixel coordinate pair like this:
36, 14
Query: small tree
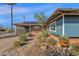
40, 17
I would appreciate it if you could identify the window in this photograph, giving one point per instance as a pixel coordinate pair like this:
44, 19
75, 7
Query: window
53, 26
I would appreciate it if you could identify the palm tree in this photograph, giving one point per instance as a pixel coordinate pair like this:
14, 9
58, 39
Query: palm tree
11, 4
41, 18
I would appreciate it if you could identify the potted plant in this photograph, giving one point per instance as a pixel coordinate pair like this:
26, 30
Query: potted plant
64, 41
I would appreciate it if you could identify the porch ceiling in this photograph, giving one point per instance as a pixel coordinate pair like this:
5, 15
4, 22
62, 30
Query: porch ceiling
27, 23
18, 24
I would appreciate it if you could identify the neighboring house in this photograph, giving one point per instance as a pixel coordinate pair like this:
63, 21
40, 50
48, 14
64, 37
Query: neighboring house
27, 26
2, 29
64, 22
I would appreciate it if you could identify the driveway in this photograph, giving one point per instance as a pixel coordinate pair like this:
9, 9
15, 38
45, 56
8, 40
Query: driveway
6, 43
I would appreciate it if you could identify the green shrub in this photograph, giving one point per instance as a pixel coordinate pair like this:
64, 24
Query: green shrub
29, 34
45, 34
74, 50
23, 38
52, 42
65, 38
74, 46
16, 44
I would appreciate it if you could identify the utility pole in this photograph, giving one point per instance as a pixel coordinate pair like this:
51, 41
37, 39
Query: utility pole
11, 8
24, 18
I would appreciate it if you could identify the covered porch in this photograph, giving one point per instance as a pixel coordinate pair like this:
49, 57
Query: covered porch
20, 29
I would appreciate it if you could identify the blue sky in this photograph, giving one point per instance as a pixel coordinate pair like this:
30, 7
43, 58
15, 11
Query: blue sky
28, 10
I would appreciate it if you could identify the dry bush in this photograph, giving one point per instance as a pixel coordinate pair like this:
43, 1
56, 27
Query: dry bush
52, 41
23, 38
16, 44
41, 46
29, 34
74, 50
44, 33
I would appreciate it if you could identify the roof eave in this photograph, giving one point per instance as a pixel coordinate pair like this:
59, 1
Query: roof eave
62, 11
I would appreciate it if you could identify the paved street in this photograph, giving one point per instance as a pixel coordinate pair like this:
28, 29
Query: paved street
5, 34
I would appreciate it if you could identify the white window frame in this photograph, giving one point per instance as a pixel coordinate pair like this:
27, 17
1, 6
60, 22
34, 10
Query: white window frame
55, 27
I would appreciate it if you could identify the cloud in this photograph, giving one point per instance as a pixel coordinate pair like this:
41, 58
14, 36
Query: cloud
31, 10
21, 10
4, 9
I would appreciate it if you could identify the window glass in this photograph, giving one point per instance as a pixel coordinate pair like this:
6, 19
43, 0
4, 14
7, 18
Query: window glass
53, 26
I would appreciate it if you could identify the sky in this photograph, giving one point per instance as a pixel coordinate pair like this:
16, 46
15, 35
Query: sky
28, 10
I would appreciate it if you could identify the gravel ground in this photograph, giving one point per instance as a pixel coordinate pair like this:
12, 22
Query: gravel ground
32, 48
6, 43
